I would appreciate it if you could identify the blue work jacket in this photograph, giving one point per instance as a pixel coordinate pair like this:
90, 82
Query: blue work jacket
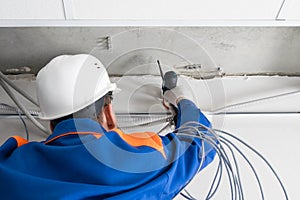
80, 160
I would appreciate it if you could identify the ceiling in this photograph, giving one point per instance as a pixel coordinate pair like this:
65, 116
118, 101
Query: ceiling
134, 50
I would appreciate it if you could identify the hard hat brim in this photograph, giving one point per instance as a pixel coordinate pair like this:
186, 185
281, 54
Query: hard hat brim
110, 87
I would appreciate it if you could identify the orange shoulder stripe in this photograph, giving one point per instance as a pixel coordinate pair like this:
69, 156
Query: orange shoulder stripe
20, 141
149, 139
97, 135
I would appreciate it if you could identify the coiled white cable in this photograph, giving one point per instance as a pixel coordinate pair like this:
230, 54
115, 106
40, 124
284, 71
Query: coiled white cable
218, 141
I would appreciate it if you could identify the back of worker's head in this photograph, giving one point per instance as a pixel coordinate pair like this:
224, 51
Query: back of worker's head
73, 85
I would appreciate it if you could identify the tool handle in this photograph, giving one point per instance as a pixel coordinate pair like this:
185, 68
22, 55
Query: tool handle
169, 81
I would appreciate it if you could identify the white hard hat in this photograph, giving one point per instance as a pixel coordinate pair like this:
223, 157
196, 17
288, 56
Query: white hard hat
69, 83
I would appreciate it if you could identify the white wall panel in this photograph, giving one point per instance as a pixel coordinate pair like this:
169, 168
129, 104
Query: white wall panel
290, 10
31, 9
180, 10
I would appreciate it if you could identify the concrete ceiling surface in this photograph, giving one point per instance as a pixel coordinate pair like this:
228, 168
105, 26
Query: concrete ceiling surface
134, 50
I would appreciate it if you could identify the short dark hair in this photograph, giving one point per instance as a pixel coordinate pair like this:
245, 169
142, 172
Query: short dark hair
99, 105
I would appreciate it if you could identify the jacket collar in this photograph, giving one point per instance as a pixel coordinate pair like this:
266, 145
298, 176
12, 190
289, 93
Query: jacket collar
77, 125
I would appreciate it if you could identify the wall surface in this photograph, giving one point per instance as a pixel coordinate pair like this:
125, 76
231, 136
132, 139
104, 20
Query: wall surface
31, 9
99, 9
190, 10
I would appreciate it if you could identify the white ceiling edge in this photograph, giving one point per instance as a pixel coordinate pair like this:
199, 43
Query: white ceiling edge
31, 9
176, 9
290, 10
146, 23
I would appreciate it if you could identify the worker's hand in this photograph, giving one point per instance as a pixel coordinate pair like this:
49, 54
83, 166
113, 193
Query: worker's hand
176, 94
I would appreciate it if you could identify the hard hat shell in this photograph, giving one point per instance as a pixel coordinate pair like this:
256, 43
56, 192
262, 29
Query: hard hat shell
69, 83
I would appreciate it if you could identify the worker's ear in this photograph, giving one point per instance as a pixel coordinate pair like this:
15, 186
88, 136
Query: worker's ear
108, 118
51, 127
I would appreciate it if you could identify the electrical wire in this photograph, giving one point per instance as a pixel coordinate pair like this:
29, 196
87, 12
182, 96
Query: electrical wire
241, 193
202, 158
11, 84
218, 141
228, 169
252, 168
11, 108
25, 125
261, 156
231, 182
22, 108
147, 123
219, 172
185, 130
225, 108
164, 128
188, 133
230, 174
6, 107
187, 195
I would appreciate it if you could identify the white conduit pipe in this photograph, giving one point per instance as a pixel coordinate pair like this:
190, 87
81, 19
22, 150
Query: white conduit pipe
22, 108
11, 84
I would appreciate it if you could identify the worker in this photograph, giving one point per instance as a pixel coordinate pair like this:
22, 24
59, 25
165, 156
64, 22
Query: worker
87, 156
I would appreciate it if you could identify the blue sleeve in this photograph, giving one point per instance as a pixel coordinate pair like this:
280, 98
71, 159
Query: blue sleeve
8, 147
189, 112
186, 151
